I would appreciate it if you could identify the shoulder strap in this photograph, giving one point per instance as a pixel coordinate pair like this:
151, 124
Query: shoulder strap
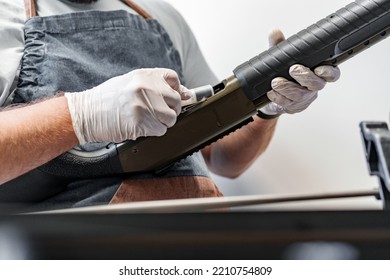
29, 6
138, 9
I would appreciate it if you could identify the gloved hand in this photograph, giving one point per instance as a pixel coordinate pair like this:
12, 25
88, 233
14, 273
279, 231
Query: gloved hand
143, 102
291, 97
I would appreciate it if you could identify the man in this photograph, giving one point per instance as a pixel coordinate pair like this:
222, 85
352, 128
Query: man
110, 71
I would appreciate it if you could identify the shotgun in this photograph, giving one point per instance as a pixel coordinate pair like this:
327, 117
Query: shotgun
331, 41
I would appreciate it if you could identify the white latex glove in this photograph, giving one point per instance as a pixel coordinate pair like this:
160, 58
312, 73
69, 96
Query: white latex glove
293, 97
144, 102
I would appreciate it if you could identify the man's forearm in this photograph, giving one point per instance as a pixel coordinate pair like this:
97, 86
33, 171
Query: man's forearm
232, 155
32, 135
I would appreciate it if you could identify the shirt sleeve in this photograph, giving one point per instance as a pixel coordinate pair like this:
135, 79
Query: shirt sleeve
195, 68
12, 18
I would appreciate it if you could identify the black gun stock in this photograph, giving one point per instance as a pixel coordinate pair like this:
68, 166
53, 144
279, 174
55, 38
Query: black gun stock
331, 41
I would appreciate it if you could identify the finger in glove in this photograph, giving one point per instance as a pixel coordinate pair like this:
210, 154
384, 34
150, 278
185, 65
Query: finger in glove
289, 106
291, 90
306, 78
328, 73
275, 37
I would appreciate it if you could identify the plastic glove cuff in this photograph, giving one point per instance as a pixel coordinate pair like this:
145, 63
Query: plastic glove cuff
264, 116
270, 111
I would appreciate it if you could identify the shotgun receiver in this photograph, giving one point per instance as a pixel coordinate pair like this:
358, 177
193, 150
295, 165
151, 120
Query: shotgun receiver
331, 41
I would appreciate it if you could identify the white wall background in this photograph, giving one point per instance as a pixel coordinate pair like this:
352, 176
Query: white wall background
319, 149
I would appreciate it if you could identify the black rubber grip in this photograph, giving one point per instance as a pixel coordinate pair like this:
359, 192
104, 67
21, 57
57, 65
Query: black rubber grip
75, 164
324, 41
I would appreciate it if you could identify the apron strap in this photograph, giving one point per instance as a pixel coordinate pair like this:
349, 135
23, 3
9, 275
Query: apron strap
29, 6
138, 9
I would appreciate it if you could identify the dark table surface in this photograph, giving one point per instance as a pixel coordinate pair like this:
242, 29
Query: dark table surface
233, 235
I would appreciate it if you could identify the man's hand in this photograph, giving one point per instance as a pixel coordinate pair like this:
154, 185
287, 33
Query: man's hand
293, 97
144, 102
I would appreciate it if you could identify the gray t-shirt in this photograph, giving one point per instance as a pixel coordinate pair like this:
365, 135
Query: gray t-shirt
12, 16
